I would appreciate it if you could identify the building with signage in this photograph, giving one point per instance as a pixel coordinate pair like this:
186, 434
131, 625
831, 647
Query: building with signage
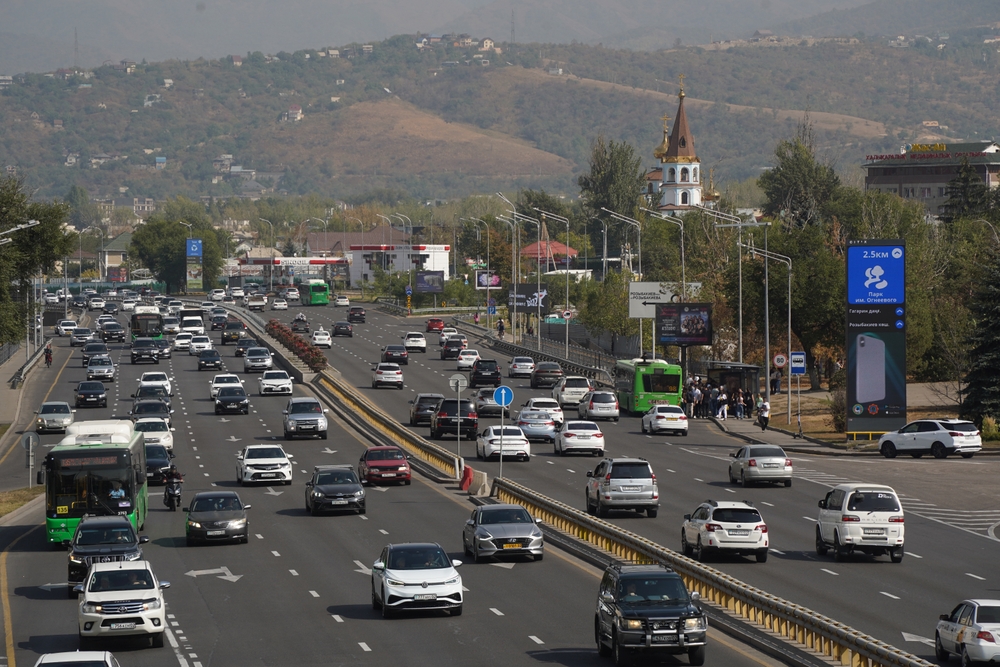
397, 258
923, 171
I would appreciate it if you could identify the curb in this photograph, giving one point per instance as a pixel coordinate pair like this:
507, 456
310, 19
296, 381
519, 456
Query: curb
13, 518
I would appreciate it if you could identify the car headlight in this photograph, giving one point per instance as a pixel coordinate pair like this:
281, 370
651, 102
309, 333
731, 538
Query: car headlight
291, 426
89, 608
393, 582
631, 624
152, 604
40, 421
699, 623
359, 494
244, 402
133, 556
194, 524
76, 560
218, 402
238, 523
484, 534
452, 581
317, 494
401, 468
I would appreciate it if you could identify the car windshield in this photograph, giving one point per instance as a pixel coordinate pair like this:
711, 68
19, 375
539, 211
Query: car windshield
430, 400
736, 515
227, 379
305, 408
653, 589
265, 453
336, 477
154, 377
767, 452
669, 410
873, 501
100, 361
275, 375
55, 409
80, 331
537, 416
385, 455
545, 404
259, 352
523, 360
112, 326
631, 471
418, 558
546, 366
157, 452
216, 504
234, 325
508, 432
120, 580
170, 320
486, 366
88, 537
962, 428
200, 339
508, 515
395, 348
91, 386
209, 354
151, 427
231, 391
155, 391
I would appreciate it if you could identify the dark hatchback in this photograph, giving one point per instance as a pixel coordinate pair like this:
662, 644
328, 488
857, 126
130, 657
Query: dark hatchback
151, 407
485, 371
152, 392
101, 539
232, 331
144, 349
422, 407
164, 348
244, 344
395, 354
446, 418
218, 322
342, 329
451, 348
546, 373
157, 463
91, 394
356, 314
110, 308
94, 350
334, 488
216, 516
112, 331
300, 326
209, 359
232, 399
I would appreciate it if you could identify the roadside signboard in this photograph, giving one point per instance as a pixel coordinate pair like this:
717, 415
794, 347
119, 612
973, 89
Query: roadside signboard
798, 363
780, 360
503, 395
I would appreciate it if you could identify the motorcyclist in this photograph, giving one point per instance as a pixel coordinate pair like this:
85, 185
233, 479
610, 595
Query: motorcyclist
172, 476
48, 356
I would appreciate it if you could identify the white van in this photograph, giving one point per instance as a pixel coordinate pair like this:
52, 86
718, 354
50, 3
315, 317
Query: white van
860, 517
193, 325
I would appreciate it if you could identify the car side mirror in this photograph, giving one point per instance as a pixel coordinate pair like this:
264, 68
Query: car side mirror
687, 517
732, 455
590, 473
239, 457
171, 395
944, 617
822, 504
456, 563
246, 507
380, 566
145, 538
78, 588
325, 410
164, 584
284, 412
607, 598
310, 483
470, 522
171, 412
40, 478
538, 519
695, 596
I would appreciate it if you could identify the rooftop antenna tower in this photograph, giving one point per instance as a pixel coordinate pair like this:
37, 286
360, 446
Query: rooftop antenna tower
76, 51
512, 26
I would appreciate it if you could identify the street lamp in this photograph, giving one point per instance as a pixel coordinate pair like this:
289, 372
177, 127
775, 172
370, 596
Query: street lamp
513, 267
270, 269
638, 228
604, 252
99, 272
680, 223
483, 222
409, 268
513, 222
566, 220
188, 225
787, 261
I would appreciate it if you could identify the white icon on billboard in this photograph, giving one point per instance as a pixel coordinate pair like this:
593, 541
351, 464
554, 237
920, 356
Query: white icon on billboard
874, 275
897, 253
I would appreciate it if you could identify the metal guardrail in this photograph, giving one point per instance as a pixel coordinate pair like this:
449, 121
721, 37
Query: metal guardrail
795, 623
22, 372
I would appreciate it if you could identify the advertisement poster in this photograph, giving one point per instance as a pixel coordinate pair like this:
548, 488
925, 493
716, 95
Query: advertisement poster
429, 282
683, 324
487, 280
530, 297
194, 273
876, 336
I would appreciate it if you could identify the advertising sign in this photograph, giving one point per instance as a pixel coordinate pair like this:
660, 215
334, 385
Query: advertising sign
487, 280
528, 296
683, 324
876, 336
429, 282
194, 273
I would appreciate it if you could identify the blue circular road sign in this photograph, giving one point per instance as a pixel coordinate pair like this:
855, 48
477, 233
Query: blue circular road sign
503, 395
409, 291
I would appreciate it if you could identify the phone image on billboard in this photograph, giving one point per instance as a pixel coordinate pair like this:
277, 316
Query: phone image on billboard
870, 375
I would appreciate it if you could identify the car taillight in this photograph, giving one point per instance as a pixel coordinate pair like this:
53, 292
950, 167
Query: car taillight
752, 463
848, 518
591, 405
523, 424
569, 435
550, 423
616, 404
442, 414
712, 527
653, 478
607, 478
762, 528
788, 463
598, 435
378, 372
683, 418
895, 519
985, 636
472, 415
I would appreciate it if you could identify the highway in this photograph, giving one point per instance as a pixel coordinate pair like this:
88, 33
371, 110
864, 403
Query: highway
302, 596
952, 506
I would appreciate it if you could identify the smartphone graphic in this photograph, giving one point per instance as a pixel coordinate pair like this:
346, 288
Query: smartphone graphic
870, 375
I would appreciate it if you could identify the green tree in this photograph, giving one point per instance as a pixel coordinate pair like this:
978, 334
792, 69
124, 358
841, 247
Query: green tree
968, 196
981, 397
159, 244
605, 307
798, 186
614, 182
83, 213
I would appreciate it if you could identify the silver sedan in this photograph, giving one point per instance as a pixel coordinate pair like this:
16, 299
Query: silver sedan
760, 463
508, 530
537, 425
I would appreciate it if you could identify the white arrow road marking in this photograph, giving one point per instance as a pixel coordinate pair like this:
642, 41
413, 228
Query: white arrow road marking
233, 438
506, 566
338, 619
907, 637
889, 595
223, 420
780, 553
224, 571
496, 611
535, 639
364, 647
327, 450
768, 504
362, 568
51, 587
272, 492
381, 489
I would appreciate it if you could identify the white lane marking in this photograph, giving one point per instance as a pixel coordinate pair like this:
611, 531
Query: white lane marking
809, 518
496, 611
294, 573
907, 637
181, 660
506, 566
338, 619
535, 639
889, 595
550, 463
362, 568
913, 555
362, 517
768, 504
975, 576
829, 572
669, 470
383, 531
780, 553
364, 647
698, 480
730, 491
206, 474
258, 536
568, 470
314, 594
276, 554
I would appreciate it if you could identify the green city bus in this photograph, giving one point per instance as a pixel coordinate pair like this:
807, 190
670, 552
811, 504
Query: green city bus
147, 322
641, 384
98, 469
314, 292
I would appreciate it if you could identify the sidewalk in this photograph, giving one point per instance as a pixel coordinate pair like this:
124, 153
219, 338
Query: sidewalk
748, 430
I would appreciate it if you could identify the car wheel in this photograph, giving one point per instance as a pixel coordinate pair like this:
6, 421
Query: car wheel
696, 656
939, 651
732, 480
821, 548
600, 509
602, 649
322, 435
85, 643
888, 449
375, 603
685, 547
939, 451
788, 483
590, 508
967, 455
699, 551
619, 654
643, 427
157, 640
966, 660
896, 555
761, 556
651, 512
539, 557
839, 553
743, 480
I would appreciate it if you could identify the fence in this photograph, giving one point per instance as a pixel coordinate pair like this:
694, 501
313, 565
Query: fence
8, 350
796, 623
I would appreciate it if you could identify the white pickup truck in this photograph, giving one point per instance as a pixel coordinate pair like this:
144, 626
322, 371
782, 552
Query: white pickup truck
256, 302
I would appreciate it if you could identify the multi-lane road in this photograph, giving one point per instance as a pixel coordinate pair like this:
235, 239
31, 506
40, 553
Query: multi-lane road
302, 596
952, 506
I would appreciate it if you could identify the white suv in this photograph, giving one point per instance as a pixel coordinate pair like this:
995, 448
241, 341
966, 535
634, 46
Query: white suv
938, 437
263, 463
121, 598
735, 528
860, 517
414, 340
571, 390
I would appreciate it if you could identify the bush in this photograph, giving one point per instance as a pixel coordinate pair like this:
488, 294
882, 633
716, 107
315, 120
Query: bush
311, 355
838, 410
989, 430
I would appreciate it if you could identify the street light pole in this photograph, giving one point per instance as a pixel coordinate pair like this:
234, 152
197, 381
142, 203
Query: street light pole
270, 269
788, 262
604, 251
565, 220
680, 223
388, 222
362, 275
638, 228
409, 268
513, 267
514, 248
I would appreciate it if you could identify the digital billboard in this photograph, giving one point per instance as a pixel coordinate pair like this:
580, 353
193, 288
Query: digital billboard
529, 296
429, 282
683, 324
194, 272
487, 280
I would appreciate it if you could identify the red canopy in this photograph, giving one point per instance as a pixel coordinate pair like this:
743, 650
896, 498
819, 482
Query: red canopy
540, 251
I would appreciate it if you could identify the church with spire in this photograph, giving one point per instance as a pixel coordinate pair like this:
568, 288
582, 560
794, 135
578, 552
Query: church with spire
677, 183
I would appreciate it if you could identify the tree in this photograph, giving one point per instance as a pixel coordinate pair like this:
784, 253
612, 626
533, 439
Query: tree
968, 196
160, 243
605, 307
798, 187
615, 182
981, 397
83, 213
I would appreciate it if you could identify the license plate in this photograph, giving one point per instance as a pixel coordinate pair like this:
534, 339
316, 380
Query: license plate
664, 639
268, 474
512, 546
425, 596
631, 488
307, 428
671, 419
739, 533
388, 474
91, 399
149, 474
583, 437
213, 533
122, 626
872, 531
771, 465
338, 502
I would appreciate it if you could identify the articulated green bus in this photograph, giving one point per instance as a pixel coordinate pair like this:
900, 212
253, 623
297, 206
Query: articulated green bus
642, 384
98, 469
314, 292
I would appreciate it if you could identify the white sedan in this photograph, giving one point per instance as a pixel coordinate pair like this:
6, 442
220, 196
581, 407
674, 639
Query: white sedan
223, 380
199, 344
508, 439
128, 304
65, 327
274, 382
445, 334
263, 463
183, 341
579, 436
665, 418
970, 632
322, 338
341, 301
279, 304
546, 405
467, 359
158, 378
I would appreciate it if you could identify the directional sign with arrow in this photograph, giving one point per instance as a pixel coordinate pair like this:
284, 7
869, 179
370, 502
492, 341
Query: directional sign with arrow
224, 571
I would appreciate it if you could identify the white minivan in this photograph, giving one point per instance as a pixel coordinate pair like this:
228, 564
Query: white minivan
856, 517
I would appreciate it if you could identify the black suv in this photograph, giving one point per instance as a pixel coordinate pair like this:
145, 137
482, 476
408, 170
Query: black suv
101, 539
446, 419
94, 350
144, 349
485, 371
647, 609
451, 348
233, 332
244, 344
422, 407
112, 331
356, 314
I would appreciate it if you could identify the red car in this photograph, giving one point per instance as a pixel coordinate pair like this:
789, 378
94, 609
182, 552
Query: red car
384, 464
435, 324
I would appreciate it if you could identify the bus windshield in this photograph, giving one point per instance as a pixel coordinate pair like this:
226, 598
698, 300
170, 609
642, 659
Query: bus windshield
147, 325
661, 383
74, 493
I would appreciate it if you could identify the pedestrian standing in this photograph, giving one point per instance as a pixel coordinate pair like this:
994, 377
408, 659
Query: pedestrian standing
723, 402
764, 415
739, 403
475, 319
695, 402
714, 403
775, 381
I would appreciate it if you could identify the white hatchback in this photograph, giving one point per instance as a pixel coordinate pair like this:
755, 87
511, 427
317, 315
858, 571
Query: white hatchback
508, 439
217, 295
414, 340
199, 344
445, 334
157, 378
341, 302
466, 359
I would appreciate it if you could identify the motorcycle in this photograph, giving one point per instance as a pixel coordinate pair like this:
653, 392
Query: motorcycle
172, 494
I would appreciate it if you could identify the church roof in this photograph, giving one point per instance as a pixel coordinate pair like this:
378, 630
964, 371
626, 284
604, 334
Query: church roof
681, 148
